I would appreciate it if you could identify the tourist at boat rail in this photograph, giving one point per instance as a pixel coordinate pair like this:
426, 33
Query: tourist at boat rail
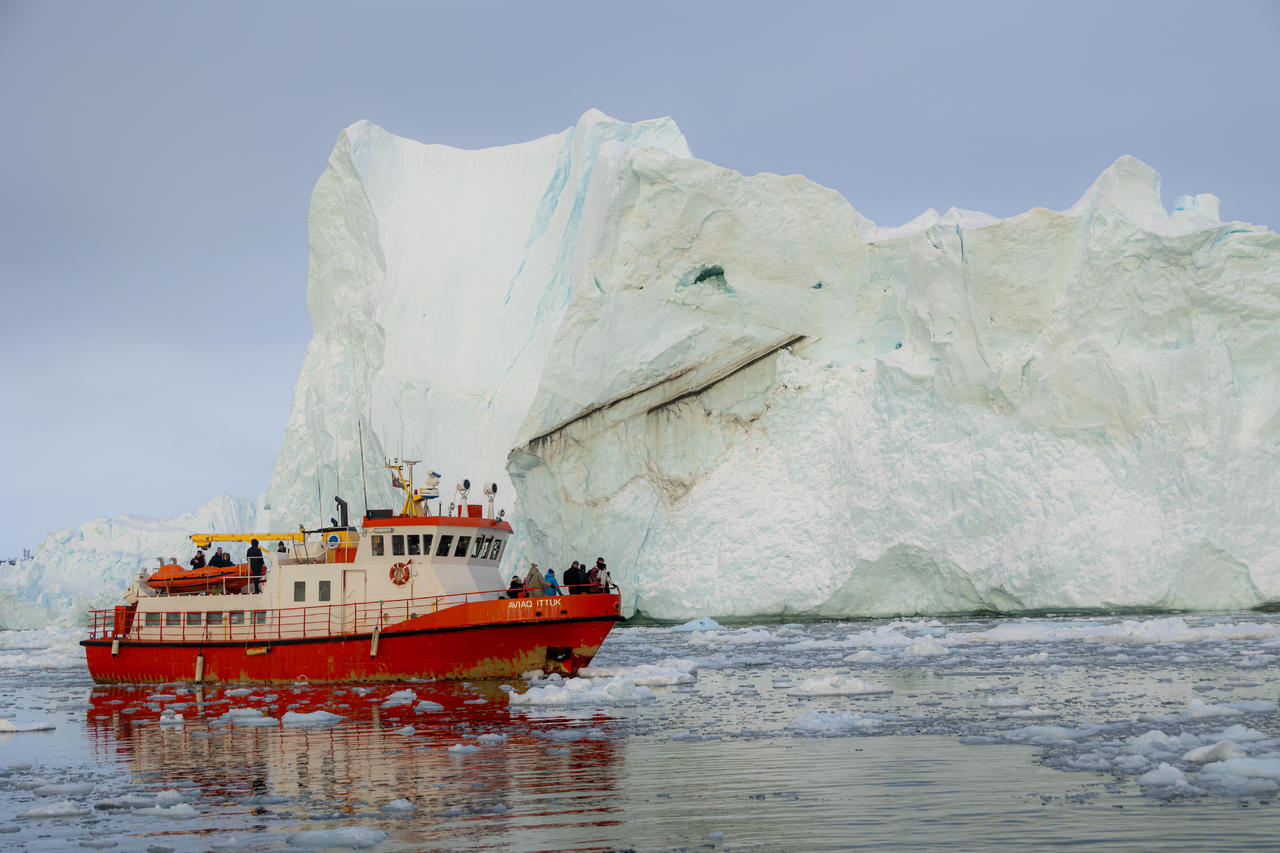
197, 562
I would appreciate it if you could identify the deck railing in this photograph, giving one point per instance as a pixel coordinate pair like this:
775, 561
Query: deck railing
248, 625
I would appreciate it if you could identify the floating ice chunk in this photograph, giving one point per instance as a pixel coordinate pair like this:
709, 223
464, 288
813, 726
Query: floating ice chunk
239, 691
314, 718
714, 837
1164, 776
618, 690
926, 646
492, 739
1254, 706
702, 623
351, 837
1220, 751
171, 718
177, 811
463, 748
400, 698
170, 797
1036, 657
833, 723
1155, 742
29, 726
666, 672
401, 805
1034, 712
99, 844
1242, 734
1006, 702
405, 730
62, 808
426, 706
1046, 734
1260, 768
64, 789
231, 842
1199, 710
838, 685
161, 697
1003, 687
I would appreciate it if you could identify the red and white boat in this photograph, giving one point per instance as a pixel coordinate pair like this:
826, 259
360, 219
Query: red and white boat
402, 597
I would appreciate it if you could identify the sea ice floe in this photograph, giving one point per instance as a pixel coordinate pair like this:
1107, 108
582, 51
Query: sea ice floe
492, 739
426, 706
463, 748
618, 690
27, 726
833, 723
64, 789
666, 672
1164, 776
1218, 751
400, 806
62, 808
400, 698
351, 837
405, 730
838, 685
314, 718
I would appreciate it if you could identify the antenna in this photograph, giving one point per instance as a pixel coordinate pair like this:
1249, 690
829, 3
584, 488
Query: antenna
363, 486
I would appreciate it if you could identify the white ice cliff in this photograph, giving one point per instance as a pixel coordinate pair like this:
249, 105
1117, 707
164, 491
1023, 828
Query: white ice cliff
752, 400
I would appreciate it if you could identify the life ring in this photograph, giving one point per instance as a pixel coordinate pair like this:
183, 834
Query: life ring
400, 574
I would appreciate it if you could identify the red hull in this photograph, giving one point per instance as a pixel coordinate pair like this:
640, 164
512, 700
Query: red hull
488, 639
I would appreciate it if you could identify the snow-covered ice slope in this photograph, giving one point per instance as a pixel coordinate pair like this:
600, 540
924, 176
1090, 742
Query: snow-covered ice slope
89, 565
751, 399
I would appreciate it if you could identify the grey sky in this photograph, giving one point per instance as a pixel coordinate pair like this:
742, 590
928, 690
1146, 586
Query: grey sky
159, 158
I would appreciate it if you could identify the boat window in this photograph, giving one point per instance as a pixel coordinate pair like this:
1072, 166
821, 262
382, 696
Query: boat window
413, 544
259, 617
461, 550
375, 544
324, 588
426, 544
446, 542
299, 590
475, 550
397, 545
213, 619
497, 549
173, 619
193, 618
153, 620
237, 617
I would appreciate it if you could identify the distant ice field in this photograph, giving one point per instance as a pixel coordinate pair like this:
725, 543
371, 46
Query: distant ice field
1119, 733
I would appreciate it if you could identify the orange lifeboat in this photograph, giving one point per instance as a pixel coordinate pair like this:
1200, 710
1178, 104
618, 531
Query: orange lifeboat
172, 578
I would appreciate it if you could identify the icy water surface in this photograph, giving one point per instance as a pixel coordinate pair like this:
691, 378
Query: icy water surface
1125, 734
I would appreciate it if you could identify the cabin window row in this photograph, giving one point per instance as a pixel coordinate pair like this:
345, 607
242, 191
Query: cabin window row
413, 545
323, 590
212, 618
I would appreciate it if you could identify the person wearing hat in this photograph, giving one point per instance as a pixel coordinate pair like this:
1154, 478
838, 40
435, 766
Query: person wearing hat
549, 579
197, 562
516, 590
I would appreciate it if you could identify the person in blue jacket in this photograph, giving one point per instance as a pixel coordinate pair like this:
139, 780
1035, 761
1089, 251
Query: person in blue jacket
549, 579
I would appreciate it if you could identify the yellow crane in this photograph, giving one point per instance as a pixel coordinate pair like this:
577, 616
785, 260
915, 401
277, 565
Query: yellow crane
203, 540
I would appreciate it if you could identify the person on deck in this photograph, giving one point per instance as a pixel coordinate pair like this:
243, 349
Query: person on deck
573, 579
549, 579
280, 547
219, 560
257, 565
593, 579
600, 576
197, 562
516, 590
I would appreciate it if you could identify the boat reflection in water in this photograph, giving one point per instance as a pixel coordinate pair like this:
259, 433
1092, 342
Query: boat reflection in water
470, 768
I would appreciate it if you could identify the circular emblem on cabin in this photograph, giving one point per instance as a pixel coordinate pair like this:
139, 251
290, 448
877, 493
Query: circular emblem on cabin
331, 541
400, 574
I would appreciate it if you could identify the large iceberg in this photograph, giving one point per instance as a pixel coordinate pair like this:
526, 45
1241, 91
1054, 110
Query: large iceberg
753, 400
